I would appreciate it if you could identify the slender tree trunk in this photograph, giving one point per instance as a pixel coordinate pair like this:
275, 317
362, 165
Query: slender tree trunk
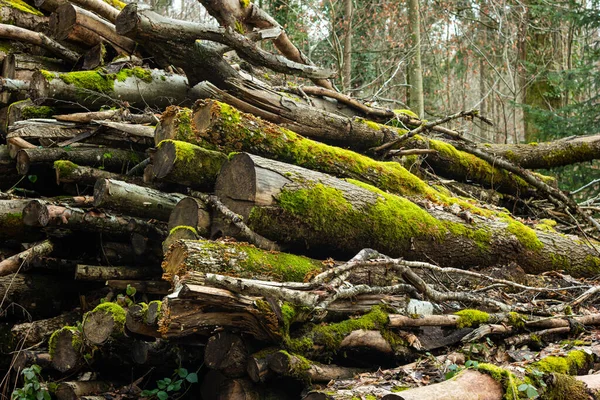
347, 52
414, 70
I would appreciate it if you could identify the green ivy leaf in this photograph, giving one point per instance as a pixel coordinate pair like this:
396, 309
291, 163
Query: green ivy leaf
131, 291
192, 378
162, 395
531, 392
32, 178
182, 372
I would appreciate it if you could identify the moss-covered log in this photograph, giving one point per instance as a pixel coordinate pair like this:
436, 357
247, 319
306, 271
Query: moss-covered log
21, 14
103, 322
142, 319
115, 160
138, 201
545, 155
65, 346
237, 259
309, 210
178, 233
139, 87
187, 164
11, 220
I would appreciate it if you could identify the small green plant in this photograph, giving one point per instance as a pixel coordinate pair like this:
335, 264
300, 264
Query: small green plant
529, 390
32, 388
171, 387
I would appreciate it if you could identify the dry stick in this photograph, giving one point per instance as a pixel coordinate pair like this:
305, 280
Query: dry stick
425, 127
12, 264
554, 195
245, 233
534, 336
410, 152
343, 98
39, 39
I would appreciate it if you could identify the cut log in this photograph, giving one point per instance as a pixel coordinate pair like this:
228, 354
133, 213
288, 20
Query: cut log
193, 212
65, 347
74, 390
108, 9
227, 353
42, 214
26, 358
39, 39
13, 264
23, 15
22, 66
115, 160
298, 367
36, 332
69, 172
104, 322
37, 296
187, 164
178, 233
138, 87
71, 16
149, 287
467, 385
294, 205
101, 274
258, 365
237, 259
134, 200
142, 322
11, 220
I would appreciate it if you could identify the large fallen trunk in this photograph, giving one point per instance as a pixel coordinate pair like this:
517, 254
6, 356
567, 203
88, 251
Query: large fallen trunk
307, 210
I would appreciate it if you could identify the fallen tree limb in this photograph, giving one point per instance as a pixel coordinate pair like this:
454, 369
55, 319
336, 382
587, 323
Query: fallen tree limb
39, 39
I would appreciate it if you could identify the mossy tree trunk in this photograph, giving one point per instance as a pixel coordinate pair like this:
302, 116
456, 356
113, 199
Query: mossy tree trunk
310, 211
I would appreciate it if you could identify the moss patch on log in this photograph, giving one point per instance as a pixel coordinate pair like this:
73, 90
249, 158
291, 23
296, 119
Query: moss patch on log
76, 340
117, 313
469, 318
37, 112
65, 168
574, 362
21, 6
95, 81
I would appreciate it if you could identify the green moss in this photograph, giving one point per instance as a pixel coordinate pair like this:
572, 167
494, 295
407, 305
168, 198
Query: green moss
370, 124
138, 72
48, 75
571, 364
546, 225
116, 311
469, 318
76, 339
95, 81
189, 228
239, 28
516, 320
247, 261
329, 337
563, 387
244, 3
65, 168
396, 389
21, 6
408, 113
524, 234
37, 112
370, 397
507, 379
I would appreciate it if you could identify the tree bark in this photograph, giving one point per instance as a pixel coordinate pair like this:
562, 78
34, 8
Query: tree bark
23, 16
11, 220
40, 214
291, 365
116, 160
70, 16
74, 390
32, 333
69, 172
137, 321
26, 358
415, 71
309, 210
14, 263
100, 273
39, 39
134, 200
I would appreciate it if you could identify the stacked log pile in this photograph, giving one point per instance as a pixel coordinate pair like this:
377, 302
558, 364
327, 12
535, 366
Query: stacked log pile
177, 214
